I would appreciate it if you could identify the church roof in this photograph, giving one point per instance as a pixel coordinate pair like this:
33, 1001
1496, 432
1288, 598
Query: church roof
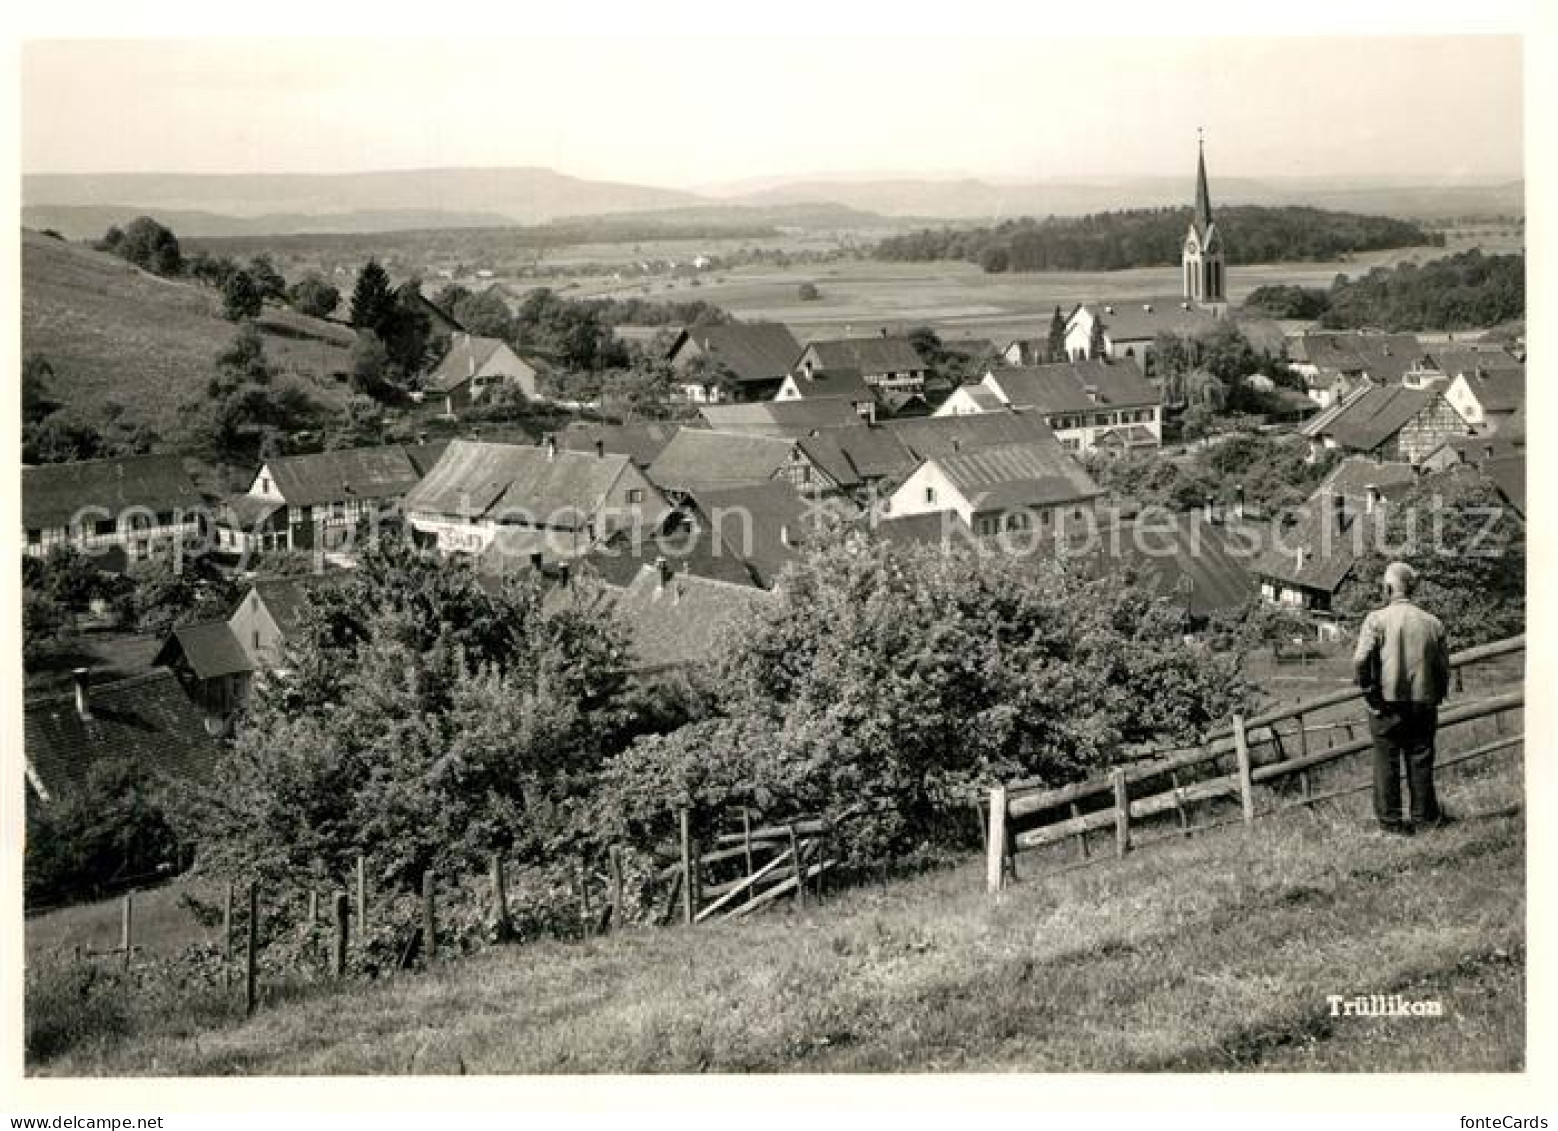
1203, 214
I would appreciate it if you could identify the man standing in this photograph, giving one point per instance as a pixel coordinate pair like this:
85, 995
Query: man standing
1403, 667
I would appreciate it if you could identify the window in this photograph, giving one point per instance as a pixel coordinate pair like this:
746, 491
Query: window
635, 494
34, 537
930, 494
104, 526
265, 484
255, 636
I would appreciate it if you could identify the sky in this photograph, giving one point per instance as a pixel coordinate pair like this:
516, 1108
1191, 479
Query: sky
699, 111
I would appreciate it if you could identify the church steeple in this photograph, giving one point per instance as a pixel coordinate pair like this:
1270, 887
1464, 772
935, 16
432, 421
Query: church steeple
1202, 260
1203, 195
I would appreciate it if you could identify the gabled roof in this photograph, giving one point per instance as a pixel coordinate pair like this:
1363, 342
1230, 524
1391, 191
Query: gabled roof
344, 474
867, 355
766, 526
751, 351
211, 650
54, 493
857, 455
1514, 429
466, 355
983, 397
1184, 560
1031, 473
1076, 386
1365, 421
285, 598
1355, 475
1457, 358
695, 549
146, 717
698, 460
513, 482
1508, 474
936, 437
641, 443
684, 619
842, 383
1499, 390
781, 418
424, 456
247, 512
1142, 319
1384, 357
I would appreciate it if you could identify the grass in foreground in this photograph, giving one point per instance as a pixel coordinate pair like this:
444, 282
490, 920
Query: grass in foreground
1214, 953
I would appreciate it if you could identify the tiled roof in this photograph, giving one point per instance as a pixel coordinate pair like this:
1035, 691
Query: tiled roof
781, 418
1076, 386
1144, 319
936, 437
1031, 473
857, 455
833, 383
867, 355
1500, 390
565, 489
639, 442
247, 512
424, 456
286, 597
1369, 418
466, 355
1329, 550
766, 525
54, 493
1384, 357
751, 351
146, 717
1453, 360
695, 549
686, 619
697, 459
344, 474
982, 397
1355, 475
210, 649
1508, 474
1186, 560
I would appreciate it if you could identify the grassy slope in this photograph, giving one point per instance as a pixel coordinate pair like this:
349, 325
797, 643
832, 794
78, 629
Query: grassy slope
114, 332
1214, 953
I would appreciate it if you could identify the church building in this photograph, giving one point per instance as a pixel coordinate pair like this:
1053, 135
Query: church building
1128, 329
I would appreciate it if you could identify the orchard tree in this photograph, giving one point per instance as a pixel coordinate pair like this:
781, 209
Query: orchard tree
241, 298
147, 244
267, 280
313, 296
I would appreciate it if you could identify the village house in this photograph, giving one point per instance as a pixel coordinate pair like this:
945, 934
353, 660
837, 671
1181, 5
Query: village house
473, 367
844, 385
145, 719
1388, 423
790, 418
531, 502
698, 460
883, 362
676, 619
216, 661
1335, 364
116, 511
322, 501
1025, 485
1090, 405
735, 361
1486, 398
970, 400
639, 442
1310, 553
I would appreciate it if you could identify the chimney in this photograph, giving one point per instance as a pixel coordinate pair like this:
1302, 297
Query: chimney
1298, 558
1339, 511
1147, 307
600, 449
80, 678
784, 534
535, 560
1108, 310
564, 572
551, 445
1373, 496
663, 570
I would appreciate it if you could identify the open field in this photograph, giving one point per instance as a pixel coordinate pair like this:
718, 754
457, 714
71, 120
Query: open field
1209, 954
113, 332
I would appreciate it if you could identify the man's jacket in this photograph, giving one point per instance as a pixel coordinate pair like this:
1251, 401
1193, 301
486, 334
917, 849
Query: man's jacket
1402, 656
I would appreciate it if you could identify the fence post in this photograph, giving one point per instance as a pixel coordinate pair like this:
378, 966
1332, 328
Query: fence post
1122, 812
1179, 803
995, 840
614, 859
429, 918
822, 857
584, 893
126, 937
313, 908
800, 872
362, 894
1241, 748
746, 844
1081, 836
251, 961
227, 937
500, 898
689, 897
340, 934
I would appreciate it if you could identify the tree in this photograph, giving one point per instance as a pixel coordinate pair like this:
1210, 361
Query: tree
361, 423
242, 404
484, 314
167, 595
267, 280
1056, 343
370, 366
61, 437
1097, 347
373, 300
241, 298
313, 296
147, 244
37, 399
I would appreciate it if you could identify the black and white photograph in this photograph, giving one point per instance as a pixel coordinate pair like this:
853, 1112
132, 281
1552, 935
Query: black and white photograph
671, 550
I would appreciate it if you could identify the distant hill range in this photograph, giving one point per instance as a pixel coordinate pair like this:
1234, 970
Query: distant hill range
239, 204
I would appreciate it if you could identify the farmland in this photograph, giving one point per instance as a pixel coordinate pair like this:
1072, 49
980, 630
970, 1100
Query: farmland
114, 333
1210, 954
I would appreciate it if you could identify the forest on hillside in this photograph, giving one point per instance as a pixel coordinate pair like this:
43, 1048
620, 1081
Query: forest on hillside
1110, 241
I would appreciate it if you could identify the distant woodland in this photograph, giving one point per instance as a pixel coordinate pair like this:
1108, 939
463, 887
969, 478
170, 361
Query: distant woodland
1110, 241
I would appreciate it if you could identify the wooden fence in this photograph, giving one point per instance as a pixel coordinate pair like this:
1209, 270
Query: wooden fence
1275, 746
748, 869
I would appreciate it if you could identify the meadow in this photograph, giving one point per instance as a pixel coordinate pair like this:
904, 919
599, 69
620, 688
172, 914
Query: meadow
1206, 954
112, 332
